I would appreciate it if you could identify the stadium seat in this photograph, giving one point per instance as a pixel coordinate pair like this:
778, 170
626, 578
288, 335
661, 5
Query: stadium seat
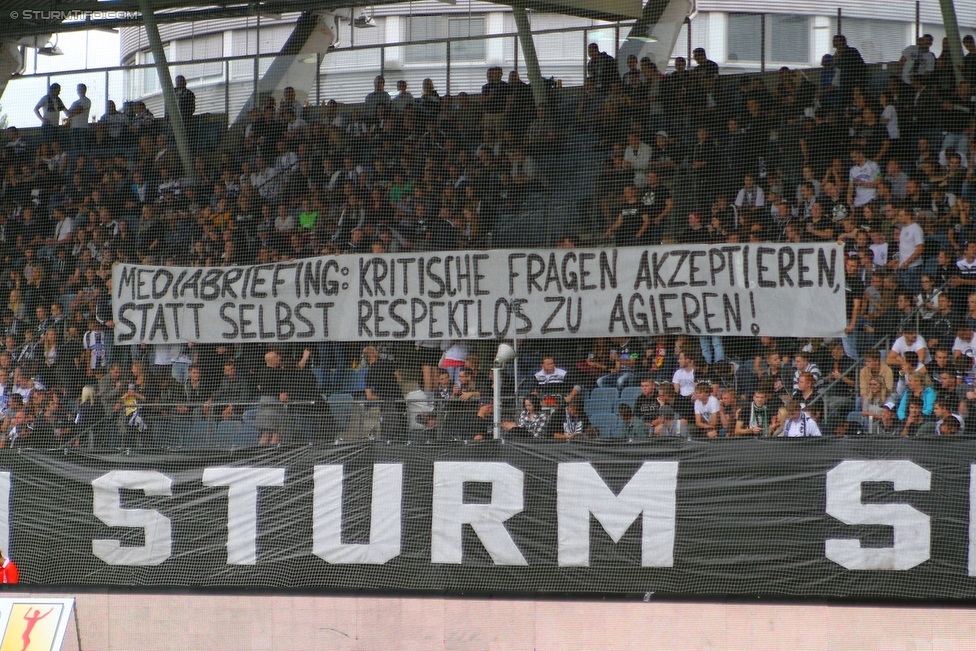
598, 406
177, 432
166, 435
319, 377
227, 432
341, 405
609, 394
629, 396
246, 436
608, 424
197, 435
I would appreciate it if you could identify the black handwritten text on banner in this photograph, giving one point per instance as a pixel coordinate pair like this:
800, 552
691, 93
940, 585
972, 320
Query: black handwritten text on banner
776, 290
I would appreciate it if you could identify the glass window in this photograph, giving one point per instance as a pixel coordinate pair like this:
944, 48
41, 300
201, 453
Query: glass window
425, 28
150, 80
877, 40
210, 46
466, 50
788, 38
744, 42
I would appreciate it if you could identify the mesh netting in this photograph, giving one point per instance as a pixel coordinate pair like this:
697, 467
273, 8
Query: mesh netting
638, 157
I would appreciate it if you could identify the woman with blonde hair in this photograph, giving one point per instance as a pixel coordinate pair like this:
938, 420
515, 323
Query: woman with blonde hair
919, 386
89, 414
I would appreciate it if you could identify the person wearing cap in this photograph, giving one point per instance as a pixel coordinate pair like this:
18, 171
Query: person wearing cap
8, 569
888, 424
798, 423
668, 421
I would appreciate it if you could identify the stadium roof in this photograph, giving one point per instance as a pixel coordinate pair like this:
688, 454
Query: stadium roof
35, 18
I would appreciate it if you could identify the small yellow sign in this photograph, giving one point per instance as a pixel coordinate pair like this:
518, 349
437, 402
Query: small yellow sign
31, 627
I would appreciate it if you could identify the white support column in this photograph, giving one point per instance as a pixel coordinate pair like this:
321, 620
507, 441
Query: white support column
528, 50
822, 41
395, 30
173, 114
717, 37
495, 47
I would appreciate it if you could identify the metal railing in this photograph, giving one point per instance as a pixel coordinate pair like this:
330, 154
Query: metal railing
885, 341
352, 66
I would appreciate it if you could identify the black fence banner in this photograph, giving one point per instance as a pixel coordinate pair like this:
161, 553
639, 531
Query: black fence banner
865, 517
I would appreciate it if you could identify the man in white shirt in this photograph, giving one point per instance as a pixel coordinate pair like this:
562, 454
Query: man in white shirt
965, 343
864, 178
798, 422
909, 340
78, 120
911, 243
706, 407
637, 156
917, 60
48, 110
552, 380
750, 200
64, 228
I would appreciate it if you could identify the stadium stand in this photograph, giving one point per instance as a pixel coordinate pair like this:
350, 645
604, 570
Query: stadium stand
881, 163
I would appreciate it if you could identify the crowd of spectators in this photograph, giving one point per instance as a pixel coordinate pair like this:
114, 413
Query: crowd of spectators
883, 164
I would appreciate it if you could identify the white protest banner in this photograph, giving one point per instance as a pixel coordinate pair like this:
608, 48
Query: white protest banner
724, 290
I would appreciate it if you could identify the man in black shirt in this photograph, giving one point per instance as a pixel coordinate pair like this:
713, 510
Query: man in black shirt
854, 292
383, 386
657, 203
601, 68
647, 407
494, 99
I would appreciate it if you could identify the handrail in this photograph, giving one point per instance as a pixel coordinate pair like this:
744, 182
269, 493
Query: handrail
822, 393
351, 48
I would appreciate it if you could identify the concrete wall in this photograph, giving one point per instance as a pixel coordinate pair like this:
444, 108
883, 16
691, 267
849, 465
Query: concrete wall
116, 622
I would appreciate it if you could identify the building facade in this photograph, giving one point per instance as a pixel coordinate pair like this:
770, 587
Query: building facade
740, 35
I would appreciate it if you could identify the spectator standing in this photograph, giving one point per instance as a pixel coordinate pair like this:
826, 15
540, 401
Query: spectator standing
494, 100
379, 97
916, 60
403, 99
850, 66
602, 68
78, 120
186, 101
911, 245
863, 179
707, 68
48, 110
